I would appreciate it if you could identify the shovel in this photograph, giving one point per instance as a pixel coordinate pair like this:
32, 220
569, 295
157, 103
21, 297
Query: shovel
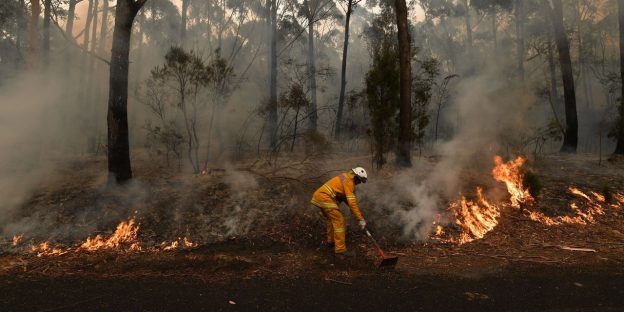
386, 261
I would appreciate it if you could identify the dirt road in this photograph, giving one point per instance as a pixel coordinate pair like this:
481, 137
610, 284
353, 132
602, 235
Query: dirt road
529, 288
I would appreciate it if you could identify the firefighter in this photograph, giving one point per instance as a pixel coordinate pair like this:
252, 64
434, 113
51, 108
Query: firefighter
327, 197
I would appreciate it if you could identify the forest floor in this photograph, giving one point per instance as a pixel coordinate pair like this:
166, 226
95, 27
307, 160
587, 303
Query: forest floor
273, 258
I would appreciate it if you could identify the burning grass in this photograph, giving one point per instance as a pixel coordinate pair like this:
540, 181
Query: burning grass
125, 238
474, 218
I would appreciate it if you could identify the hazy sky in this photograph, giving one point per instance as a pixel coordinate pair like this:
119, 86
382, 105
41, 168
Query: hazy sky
81, 10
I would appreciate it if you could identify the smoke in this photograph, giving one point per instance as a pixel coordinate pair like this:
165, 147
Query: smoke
26, 104
486, 111
42, 149
242, 214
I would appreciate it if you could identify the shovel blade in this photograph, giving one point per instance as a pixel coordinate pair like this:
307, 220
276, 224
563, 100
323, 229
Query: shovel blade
388, 261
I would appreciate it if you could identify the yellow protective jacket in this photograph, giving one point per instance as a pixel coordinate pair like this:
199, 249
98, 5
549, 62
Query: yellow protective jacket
339, 188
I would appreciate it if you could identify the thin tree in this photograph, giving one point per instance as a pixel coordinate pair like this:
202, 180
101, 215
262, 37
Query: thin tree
119, 167
71, 13
570, 137
45, 47
104, 28
314, 11
343, 73
86, 37
404, 144
519, 16
272, 10
33, 46
185, 5
469, 42
619, 149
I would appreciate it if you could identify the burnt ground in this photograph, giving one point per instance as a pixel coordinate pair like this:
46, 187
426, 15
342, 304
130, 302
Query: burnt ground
277, 263
519, 289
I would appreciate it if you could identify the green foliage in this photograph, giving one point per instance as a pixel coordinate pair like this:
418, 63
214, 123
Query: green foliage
184, 71
486, 5
195, 84
422, 87
219, 78
160, 23
382, 86
531, 181
294, 98
164, 140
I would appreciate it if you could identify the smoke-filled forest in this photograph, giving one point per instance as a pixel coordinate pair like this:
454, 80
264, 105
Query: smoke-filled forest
166, 155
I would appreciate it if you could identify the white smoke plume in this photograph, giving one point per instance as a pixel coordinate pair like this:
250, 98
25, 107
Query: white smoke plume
485, 109
26, 132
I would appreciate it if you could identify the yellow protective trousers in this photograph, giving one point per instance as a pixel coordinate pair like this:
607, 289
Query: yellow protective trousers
335, 228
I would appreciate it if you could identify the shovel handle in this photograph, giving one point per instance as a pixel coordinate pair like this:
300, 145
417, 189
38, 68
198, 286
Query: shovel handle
376, 245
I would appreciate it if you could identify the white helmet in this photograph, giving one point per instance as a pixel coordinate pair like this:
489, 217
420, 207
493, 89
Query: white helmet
361, 173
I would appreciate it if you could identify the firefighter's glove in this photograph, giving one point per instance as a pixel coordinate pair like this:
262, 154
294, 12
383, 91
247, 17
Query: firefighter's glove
362, 224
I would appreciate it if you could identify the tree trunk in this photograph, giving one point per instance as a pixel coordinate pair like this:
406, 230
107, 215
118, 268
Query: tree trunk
312, 74
570, 138
85, 40
494, 28
554, 93
96, 4
519, 15
71, 13
86, 34
471, 59
69, 32
104, 28
273, 73
343, 73
139, 50
92, 83
294, 137
449, 43
118, 142
581, 62
47, 15
404, 149
619, 148
33, 46
21, 26
185, 4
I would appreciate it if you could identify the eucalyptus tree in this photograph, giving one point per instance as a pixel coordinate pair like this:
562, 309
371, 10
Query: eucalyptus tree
555, 12
343, 73
313, 11
619, 149
33, 27
404, 146
119, 166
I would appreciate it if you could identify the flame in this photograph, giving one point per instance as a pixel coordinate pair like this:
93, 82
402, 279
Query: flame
439, 230
510, 173
188, 243
124, 236
474, 218
174, 245
180, 243
599, 197
585, 216
44, 249
577, 192
17, 239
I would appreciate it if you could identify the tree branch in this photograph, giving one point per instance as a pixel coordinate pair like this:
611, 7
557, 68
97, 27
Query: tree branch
71, 40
